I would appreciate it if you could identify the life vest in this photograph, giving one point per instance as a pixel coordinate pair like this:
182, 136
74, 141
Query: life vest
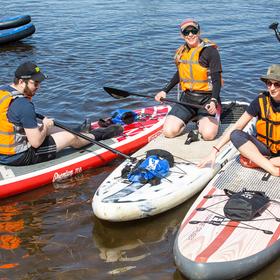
268, 124
193, 76
12, 138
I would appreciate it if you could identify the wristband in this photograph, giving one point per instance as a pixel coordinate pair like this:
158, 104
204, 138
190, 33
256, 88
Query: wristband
215, 101
216, 148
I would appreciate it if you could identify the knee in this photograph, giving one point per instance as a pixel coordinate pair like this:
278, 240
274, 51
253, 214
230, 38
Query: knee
169, 132
235, 137
208, 136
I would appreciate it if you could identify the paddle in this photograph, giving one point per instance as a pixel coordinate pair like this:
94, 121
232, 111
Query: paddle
119, 94
90, 139
274, 26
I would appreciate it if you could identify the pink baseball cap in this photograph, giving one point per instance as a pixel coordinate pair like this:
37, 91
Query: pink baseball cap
189, 22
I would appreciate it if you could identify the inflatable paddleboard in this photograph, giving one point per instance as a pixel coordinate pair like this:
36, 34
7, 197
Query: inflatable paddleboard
117, 199
210, 246
69, 162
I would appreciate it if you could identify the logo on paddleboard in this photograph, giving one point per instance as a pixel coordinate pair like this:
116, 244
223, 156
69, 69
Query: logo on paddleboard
66, 174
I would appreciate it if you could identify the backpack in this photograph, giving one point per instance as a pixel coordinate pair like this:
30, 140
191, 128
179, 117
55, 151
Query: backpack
151, 170
120, 116
123, 116
245, 205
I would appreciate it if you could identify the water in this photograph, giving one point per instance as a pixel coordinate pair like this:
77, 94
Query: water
82, 46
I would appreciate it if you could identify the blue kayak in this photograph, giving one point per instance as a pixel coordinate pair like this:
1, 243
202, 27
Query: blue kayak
11, 22
17, 33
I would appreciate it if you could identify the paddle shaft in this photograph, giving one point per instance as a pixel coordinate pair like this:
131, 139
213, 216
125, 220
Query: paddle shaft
171, 101
122, 94
88, 139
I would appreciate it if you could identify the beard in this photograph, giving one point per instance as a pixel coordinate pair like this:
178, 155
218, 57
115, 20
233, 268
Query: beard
27, 92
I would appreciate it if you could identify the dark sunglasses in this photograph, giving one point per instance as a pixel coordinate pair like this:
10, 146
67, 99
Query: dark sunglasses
186, 32
276, 84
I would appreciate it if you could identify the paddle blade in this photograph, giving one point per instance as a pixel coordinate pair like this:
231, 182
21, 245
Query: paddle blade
117, 93
273, 26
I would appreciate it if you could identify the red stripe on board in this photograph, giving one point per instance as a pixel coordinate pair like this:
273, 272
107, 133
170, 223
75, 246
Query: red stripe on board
194, 211
275, 237
37, 181
217, 242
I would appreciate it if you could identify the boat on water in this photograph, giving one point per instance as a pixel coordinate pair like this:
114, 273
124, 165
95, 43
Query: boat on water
17, 33
16, 21
118, 199
69, 162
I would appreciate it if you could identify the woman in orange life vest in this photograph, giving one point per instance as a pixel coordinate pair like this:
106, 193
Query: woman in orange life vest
264, 148
22, 140
199, 76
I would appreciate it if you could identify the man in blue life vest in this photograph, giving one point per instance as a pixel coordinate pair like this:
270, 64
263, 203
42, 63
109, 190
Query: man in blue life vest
22, 140
199, 76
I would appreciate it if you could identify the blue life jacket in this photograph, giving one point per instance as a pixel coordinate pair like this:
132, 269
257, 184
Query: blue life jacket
123, 116
152, 167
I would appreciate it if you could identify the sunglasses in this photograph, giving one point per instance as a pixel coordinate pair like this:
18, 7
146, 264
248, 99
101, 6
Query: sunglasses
186, 32
276, 84
35, 83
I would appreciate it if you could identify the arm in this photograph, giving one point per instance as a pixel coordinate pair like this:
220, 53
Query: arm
210, 58
37, 135
240, 124
173, 82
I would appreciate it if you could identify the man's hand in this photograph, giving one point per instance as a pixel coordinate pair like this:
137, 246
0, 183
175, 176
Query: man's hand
159, 95
48, 123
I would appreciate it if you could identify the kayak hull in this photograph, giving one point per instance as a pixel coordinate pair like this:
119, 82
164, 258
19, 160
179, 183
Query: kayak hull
11, 22
16, 34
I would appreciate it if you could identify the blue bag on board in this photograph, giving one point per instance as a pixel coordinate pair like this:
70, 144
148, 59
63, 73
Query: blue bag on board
152, 167
123, 116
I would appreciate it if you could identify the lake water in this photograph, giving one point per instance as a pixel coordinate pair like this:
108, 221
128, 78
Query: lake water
51, 233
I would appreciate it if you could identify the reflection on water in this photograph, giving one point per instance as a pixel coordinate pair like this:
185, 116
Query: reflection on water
15, 47
129, 244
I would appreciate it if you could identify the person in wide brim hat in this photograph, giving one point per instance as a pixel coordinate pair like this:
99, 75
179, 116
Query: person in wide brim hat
262, 150
273, 73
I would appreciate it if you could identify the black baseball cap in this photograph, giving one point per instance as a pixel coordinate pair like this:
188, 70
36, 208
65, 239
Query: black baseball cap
29, 70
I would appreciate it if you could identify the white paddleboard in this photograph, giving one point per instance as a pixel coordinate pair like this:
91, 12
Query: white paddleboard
210, 246
117, 199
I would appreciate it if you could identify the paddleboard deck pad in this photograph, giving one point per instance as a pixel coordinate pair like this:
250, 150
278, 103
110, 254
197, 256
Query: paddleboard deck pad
117, 199
210, 246
69, 162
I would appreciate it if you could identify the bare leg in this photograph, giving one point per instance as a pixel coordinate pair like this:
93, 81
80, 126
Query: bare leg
208, 127
250, 151
173, 126
65, 139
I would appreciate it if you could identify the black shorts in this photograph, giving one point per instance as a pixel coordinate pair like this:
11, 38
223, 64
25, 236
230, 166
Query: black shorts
186, 113
45, 152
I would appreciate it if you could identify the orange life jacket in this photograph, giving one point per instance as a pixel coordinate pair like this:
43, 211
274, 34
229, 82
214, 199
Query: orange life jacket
12, 138
268, 124
193, 76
